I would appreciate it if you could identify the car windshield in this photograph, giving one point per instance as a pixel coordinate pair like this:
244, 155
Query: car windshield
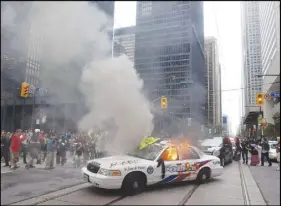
149, 153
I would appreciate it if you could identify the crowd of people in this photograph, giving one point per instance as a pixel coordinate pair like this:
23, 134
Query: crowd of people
253, 146
35, 146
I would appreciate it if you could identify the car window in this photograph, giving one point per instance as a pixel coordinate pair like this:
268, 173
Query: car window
273, 146
190, 153
170, 154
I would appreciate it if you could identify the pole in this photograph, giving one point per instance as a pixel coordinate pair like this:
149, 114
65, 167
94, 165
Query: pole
22, 114
32, 111
261, 125
13, 116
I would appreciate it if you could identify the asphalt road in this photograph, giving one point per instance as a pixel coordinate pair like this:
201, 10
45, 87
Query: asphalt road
22, 184
268, 180
224, 190
220, 191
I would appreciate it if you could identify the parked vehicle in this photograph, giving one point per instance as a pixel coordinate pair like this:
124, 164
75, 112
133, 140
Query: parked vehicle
213, 146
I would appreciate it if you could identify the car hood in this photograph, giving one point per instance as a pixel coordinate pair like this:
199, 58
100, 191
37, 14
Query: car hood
120, 161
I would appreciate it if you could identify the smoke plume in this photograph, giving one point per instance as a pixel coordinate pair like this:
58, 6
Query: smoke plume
77, 67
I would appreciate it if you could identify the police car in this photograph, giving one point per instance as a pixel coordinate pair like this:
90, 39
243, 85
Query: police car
158, 163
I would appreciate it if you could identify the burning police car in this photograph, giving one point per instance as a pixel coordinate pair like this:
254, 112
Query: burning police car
158, 163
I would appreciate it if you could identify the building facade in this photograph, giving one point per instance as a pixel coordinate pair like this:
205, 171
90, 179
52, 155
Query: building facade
251, 45
213, 107
270, 56
169, 57
124, 39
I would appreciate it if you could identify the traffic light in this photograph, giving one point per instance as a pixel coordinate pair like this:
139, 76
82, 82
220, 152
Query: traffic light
260, 99
164, 103
24, 89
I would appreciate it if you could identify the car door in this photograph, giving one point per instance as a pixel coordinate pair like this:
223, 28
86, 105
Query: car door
190, 159
172, 166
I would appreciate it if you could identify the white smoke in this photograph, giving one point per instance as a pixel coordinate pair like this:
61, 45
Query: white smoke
78, 31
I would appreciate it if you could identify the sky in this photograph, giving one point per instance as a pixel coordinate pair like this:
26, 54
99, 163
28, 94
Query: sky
221, 20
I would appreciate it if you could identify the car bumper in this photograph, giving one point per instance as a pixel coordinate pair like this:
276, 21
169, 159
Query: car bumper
101, 181
217, 172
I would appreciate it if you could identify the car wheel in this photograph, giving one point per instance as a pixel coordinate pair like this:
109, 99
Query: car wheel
203, 176
133, 184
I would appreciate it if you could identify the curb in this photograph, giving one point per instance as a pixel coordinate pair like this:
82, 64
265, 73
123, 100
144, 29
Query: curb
252, 191
52, 195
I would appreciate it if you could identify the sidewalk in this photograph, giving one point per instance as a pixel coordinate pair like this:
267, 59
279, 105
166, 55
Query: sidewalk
268, 181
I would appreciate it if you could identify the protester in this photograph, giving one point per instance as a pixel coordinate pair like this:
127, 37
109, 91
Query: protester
62, 151
24, 146
51, 151
77, 155
15, 147
5, 141
245, 148
33, 149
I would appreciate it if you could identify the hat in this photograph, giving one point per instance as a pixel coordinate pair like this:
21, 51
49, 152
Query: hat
37, 130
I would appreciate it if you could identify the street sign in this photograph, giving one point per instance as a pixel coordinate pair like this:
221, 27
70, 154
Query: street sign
275, 94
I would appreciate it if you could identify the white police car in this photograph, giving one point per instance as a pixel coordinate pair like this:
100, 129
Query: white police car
157, 163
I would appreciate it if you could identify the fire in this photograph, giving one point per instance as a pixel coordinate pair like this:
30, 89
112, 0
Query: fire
171, 153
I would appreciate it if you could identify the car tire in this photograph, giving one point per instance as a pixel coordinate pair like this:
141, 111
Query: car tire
133, 184
203, 176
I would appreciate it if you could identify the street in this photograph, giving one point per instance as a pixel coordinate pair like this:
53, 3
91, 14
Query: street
22, 184
233, 187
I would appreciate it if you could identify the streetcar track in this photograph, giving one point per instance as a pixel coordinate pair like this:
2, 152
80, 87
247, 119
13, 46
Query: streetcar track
243, 185
188, 195
116, 200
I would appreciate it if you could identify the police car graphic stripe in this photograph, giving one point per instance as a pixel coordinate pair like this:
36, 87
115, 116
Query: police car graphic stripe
182, 176
169, 179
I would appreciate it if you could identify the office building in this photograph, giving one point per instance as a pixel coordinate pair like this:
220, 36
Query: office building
124, 39
269, 12
169, 57
251, 48
212, 83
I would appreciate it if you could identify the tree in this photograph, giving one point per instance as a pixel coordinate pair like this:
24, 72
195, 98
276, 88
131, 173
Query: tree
269, 131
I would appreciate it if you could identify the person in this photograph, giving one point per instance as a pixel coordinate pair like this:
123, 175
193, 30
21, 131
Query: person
265, 152
15, 147
278, 153
237, 153
78, 154
51, 152
5, 139
62, 151
86, 153
33, 150
245, 148
3, 135
24, 147
222, 156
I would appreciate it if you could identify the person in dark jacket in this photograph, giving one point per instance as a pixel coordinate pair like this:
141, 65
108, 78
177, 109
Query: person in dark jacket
222, 155
245, 148
62, 151
265, 152
5, 140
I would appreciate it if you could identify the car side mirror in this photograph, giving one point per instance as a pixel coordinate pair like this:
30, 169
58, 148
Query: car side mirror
160, 161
